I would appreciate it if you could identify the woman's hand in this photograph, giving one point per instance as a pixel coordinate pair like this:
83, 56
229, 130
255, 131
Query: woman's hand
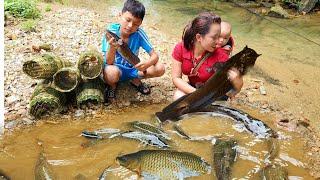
236, 79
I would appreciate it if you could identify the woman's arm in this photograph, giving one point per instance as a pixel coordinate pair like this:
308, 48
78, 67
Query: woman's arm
177, 78
236, 80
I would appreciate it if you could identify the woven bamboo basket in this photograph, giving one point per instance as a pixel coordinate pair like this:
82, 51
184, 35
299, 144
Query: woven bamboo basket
90, 64
46, 100
90, 91
44, 66
66, 79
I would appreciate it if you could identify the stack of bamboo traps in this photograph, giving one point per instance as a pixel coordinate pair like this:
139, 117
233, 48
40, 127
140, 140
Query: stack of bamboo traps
44, 66
90, 91
46, 99
61, 78
90, 64
66, 79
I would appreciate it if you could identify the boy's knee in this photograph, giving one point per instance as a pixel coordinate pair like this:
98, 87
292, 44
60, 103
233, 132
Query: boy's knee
111, 74
160, 70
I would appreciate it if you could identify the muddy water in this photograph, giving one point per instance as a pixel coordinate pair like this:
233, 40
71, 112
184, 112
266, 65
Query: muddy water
63, 145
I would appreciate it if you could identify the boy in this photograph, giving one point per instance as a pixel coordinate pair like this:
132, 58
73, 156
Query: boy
225, 40
117, 68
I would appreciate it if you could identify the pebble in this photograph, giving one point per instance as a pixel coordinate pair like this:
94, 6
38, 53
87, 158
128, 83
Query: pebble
262, 90
79, 113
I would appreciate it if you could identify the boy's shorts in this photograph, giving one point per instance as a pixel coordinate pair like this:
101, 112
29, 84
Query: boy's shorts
127, 73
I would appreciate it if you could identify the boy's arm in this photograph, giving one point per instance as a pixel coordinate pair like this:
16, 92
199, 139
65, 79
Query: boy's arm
109, 49
110, 55
143, 65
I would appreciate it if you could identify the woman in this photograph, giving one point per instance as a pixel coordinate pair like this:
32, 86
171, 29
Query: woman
196, 55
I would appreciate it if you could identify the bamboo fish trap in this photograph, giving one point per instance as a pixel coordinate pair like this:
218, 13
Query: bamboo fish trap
90, 64
90, 91
66, 79
44, 66
46, 99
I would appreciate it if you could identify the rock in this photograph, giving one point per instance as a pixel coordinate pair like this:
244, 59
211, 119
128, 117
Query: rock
11, 124
11, 99
262, 90
27, 121
22, 112
278, 12
12, 116
79, 113
12, 36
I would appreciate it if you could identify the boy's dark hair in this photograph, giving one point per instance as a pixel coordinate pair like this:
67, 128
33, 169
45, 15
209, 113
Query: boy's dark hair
136, 8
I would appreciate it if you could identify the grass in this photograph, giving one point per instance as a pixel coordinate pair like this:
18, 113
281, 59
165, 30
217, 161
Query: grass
48, 8
29, 25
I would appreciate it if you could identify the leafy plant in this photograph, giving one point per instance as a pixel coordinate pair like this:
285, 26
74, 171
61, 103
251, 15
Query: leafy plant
48, 8
29, 25
22, 8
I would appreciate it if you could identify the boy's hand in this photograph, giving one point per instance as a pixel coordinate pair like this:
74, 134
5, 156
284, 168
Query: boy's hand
113, 43
142, 66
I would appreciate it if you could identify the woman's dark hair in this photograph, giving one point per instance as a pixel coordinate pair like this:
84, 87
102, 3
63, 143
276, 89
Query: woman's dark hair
201, 24
136, 8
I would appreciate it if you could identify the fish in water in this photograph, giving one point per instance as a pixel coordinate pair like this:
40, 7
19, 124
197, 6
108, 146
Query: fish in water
216, 86
253, 125
149, 139
124, 49
149, 128
43, 169
99, 133
274, 172
164, 164
224, 155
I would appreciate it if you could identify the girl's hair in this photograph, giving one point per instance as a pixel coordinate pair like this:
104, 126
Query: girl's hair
201, 24
135, 8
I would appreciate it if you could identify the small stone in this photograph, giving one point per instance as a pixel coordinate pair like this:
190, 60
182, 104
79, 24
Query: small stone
127, 103
79, 113
11, 124
262, 90
27, 121
12, 116
12, 99
22, 112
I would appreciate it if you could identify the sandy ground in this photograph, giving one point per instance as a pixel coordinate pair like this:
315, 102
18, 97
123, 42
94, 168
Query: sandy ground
287, 103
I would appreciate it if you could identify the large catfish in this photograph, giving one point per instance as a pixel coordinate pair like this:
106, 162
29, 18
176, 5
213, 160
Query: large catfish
124, 49
216, 86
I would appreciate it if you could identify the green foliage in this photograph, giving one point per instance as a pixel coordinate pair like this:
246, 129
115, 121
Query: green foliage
48, 8
22, 8
29, 25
